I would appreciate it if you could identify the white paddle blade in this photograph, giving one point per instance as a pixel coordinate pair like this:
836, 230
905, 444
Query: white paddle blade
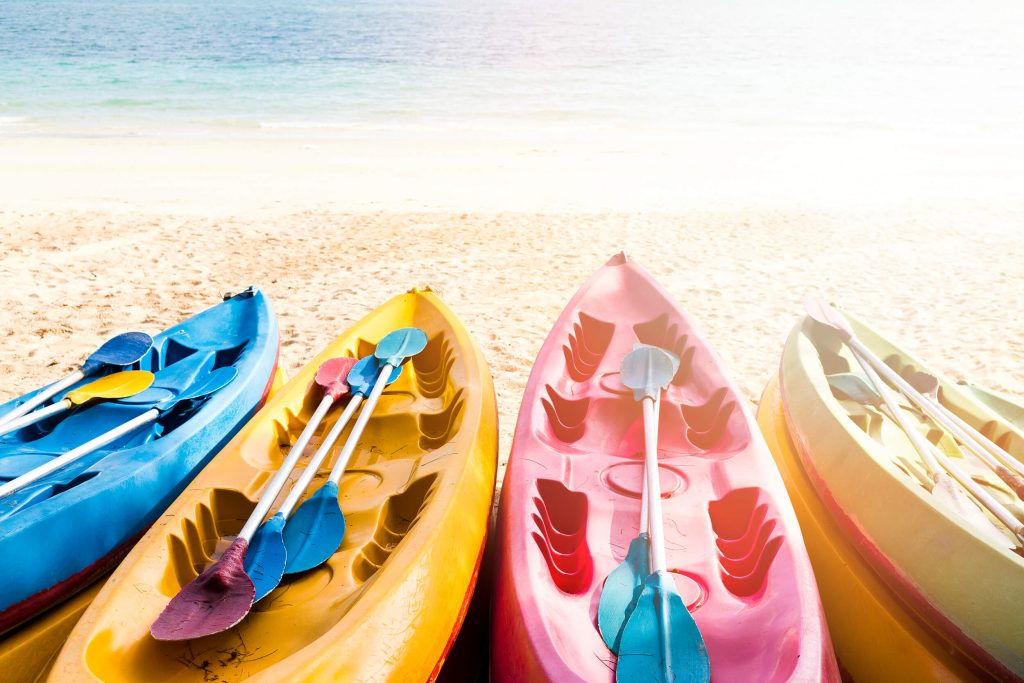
647, 370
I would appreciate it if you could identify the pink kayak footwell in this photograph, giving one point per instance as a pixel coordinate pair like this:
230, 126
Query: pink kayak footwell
570, 503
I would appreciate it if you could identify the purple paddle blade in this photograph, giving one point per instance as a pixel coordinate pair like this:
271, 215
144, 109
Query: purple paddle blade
214, 601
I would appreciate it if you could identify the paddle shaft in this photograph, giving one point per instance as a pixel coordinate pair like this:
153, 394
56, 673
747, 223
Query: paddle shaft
933, 456
932, 410
645, 521
921, 445
989, 452
280, 477
360, 425
35, 416
78, 453
292, 499
43, 395
656, 523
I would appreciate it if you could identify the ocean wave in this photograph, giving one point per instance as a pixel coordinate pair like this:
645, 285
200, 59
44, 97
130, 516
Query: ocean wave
11, 121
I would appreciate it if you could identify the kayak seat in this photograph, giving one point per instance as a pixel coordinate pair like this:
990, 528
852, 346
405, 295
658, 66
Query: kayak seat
398, 515
433, 366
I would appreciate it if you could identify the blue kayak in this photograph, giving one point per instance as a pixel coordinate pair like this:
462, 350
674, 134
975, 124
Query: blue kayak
67, 529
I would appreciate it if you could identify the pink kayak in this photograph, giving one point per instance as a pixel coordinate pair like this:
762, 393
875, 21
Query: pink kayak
570, 503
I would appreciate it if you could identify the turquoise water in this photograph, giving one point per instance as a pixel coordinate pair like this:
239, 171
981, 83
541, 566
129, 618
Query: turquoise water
796, 67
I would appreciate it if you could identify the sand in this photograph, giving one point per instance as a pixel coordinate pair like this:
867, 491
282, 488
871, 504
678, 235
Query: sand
111, 239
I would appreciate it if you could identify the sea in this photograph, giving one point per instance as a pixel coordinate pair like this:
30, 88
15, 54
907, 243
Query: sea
915, 70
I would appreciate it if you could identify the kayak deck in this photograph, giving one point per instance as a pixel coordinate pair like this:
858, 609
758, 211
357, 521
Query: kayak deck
416, 498
571, 503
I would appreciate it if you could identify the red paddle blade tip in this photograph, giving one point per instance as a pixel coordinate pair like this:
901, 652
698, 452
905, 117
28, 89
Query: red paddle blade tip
214, 601
331, 376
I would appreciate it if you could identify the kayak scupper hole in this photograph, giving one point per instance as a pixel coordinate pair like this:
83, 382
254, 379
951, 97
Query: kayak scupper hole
743, 523
437, 429
566, 417
668, 335
397, 517
588, 341
192, 548
433, 366
560, 520
716, 425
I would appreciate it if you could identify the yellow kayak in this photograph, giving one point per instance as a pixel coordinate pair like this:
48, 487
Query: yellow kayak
387, 606
27, 652
922, 582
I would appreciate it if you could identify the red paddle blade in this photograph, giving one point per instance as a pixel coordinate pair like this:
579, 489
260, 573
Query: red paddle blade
331, 376
214, 601
826, 315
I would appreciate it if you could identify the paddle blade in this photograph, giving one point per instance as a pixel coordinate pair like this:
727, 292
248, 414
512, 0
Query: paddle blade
621, 590
332, 374
855, 388
315, 531
124, 349
214, 601
660, 642
647, 370
363, 375
396, 346
822, 313
265, 560
115, 385
214, 382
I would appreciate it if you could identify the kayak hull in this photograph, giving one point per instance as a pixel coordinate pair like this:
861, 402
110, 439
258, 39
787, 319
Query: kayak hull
875, 637
570, 503
387, 605
70, 538
871, 480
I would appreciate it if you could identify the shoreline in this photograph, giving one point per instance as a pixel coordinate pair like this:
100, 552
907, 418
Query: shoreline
442, 170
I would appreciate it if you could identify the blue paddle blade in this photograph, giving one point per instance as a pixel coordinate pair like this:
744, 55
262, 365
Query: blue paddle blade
315, 530
174, 379
363, 375
660, 642
621, 590
396, 346
124, 349
266, 558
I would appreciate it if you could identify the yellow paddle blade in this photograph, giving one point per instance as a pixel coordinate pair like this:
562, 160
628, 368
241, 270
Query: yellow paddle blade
114, 385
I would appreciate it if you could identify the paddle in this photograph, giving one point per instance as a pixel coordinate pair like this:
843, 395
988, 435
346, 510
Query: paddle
944, 489
935, 461
660, 641
116, 385
986, 450
266, 556
217, 380
623, 585
222, 595
317, 528
832, 318
119, 351
270, 551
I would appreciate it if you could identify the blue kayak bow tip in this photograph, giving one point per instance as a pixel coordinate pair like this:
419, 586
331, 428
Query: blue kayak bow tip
315, 530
